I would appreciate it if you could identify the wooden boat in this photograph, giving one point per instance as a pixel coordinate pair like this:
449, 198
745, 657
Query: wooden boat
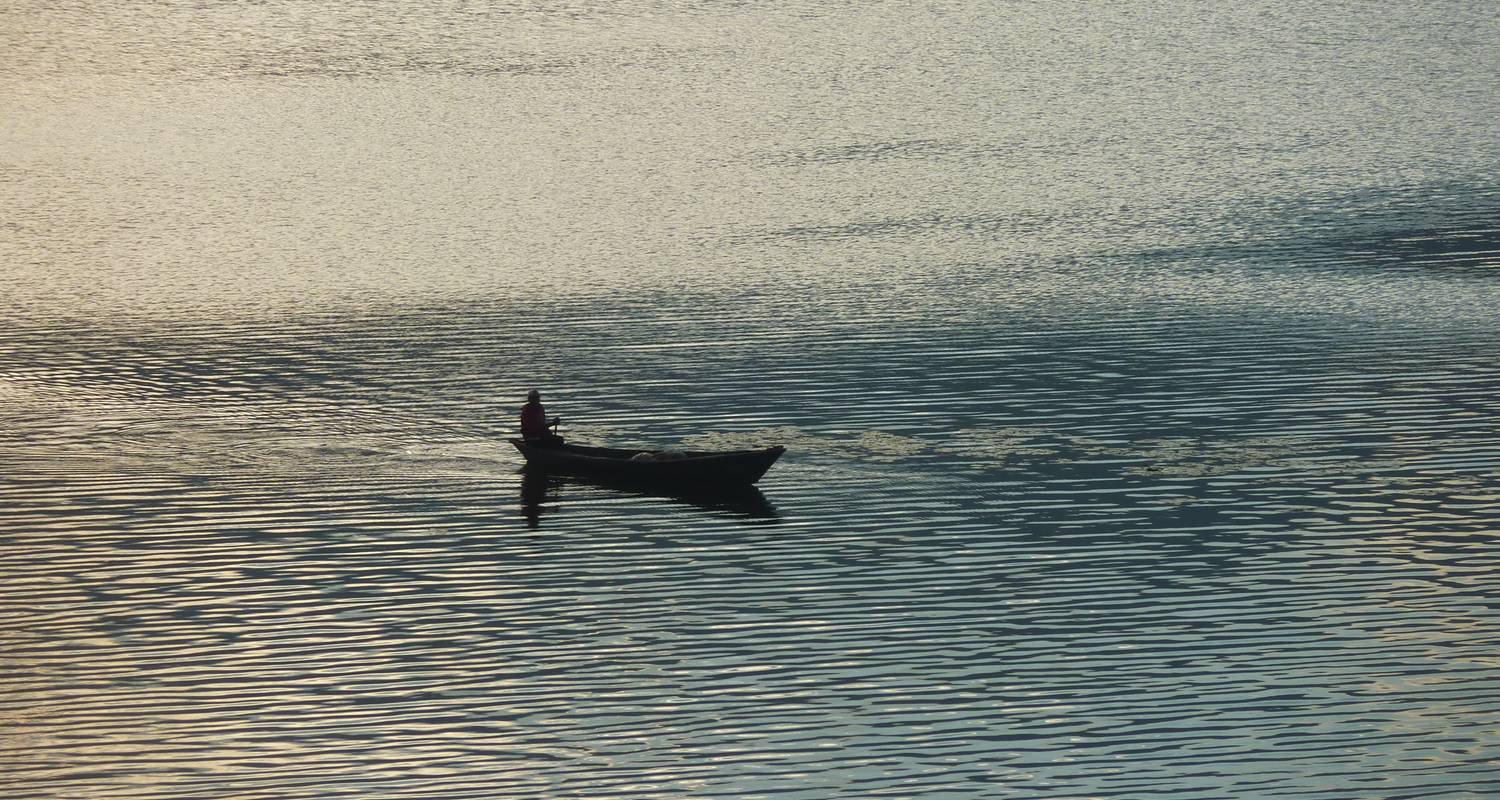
655, 467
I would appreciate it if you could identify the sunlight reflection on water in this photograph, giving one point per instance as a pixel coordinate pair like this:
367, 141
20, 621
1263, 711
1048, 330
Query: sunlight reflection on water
1139, 400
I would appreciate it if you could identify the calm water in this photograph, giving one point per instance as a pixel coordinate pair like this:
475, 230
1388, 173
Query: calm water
1138, 370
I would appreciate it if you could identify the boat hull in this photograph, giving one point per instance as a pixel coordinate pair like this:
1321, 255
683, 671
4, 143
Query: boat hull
688, 469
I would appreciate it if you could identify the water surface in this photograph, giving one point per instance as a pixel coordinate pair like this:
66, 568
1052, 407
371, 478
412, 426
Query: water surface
1137, 370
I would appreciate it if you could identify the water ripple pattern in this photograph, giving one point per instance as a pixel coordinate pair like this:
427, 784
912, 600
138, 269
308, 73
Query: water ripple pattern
1138, 373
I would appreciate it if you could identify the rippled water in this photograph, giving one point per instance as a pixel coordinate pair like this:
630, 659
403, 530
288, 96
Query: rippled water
1137, 371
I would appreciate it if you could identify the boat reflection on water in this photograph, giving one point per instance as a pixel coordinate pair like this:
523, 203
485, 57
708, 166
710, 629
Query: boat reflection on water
541, 492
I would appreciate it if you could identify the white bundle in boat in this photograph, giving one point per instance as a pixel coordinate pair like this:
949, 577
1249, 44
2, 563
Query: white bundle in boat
664, 455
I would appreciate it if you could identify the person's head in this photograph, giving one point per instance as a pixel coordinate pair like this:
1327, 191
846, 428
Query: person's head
533, 396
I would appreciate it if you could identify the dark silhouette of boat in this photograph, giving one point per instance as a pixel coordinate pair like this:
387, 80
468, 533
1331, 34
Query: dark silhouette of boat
659, 468
543, 493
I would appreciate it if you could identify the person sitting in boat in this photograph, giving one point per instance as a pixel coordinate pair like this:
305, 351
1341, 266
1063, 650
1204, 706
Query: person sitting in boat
535, 427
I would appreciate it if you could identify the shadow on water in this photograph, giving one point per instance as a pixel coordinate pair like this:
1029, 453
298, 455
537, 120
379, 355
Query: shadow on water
542, 493
1446, 230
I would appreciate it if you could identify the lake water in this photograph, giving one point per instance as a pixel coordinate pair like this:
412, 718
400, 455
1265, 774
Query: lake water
1137, 367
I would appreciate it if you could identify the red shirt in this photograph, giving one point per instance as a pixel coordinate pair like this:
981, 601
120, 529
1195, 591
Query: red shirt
533, 421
